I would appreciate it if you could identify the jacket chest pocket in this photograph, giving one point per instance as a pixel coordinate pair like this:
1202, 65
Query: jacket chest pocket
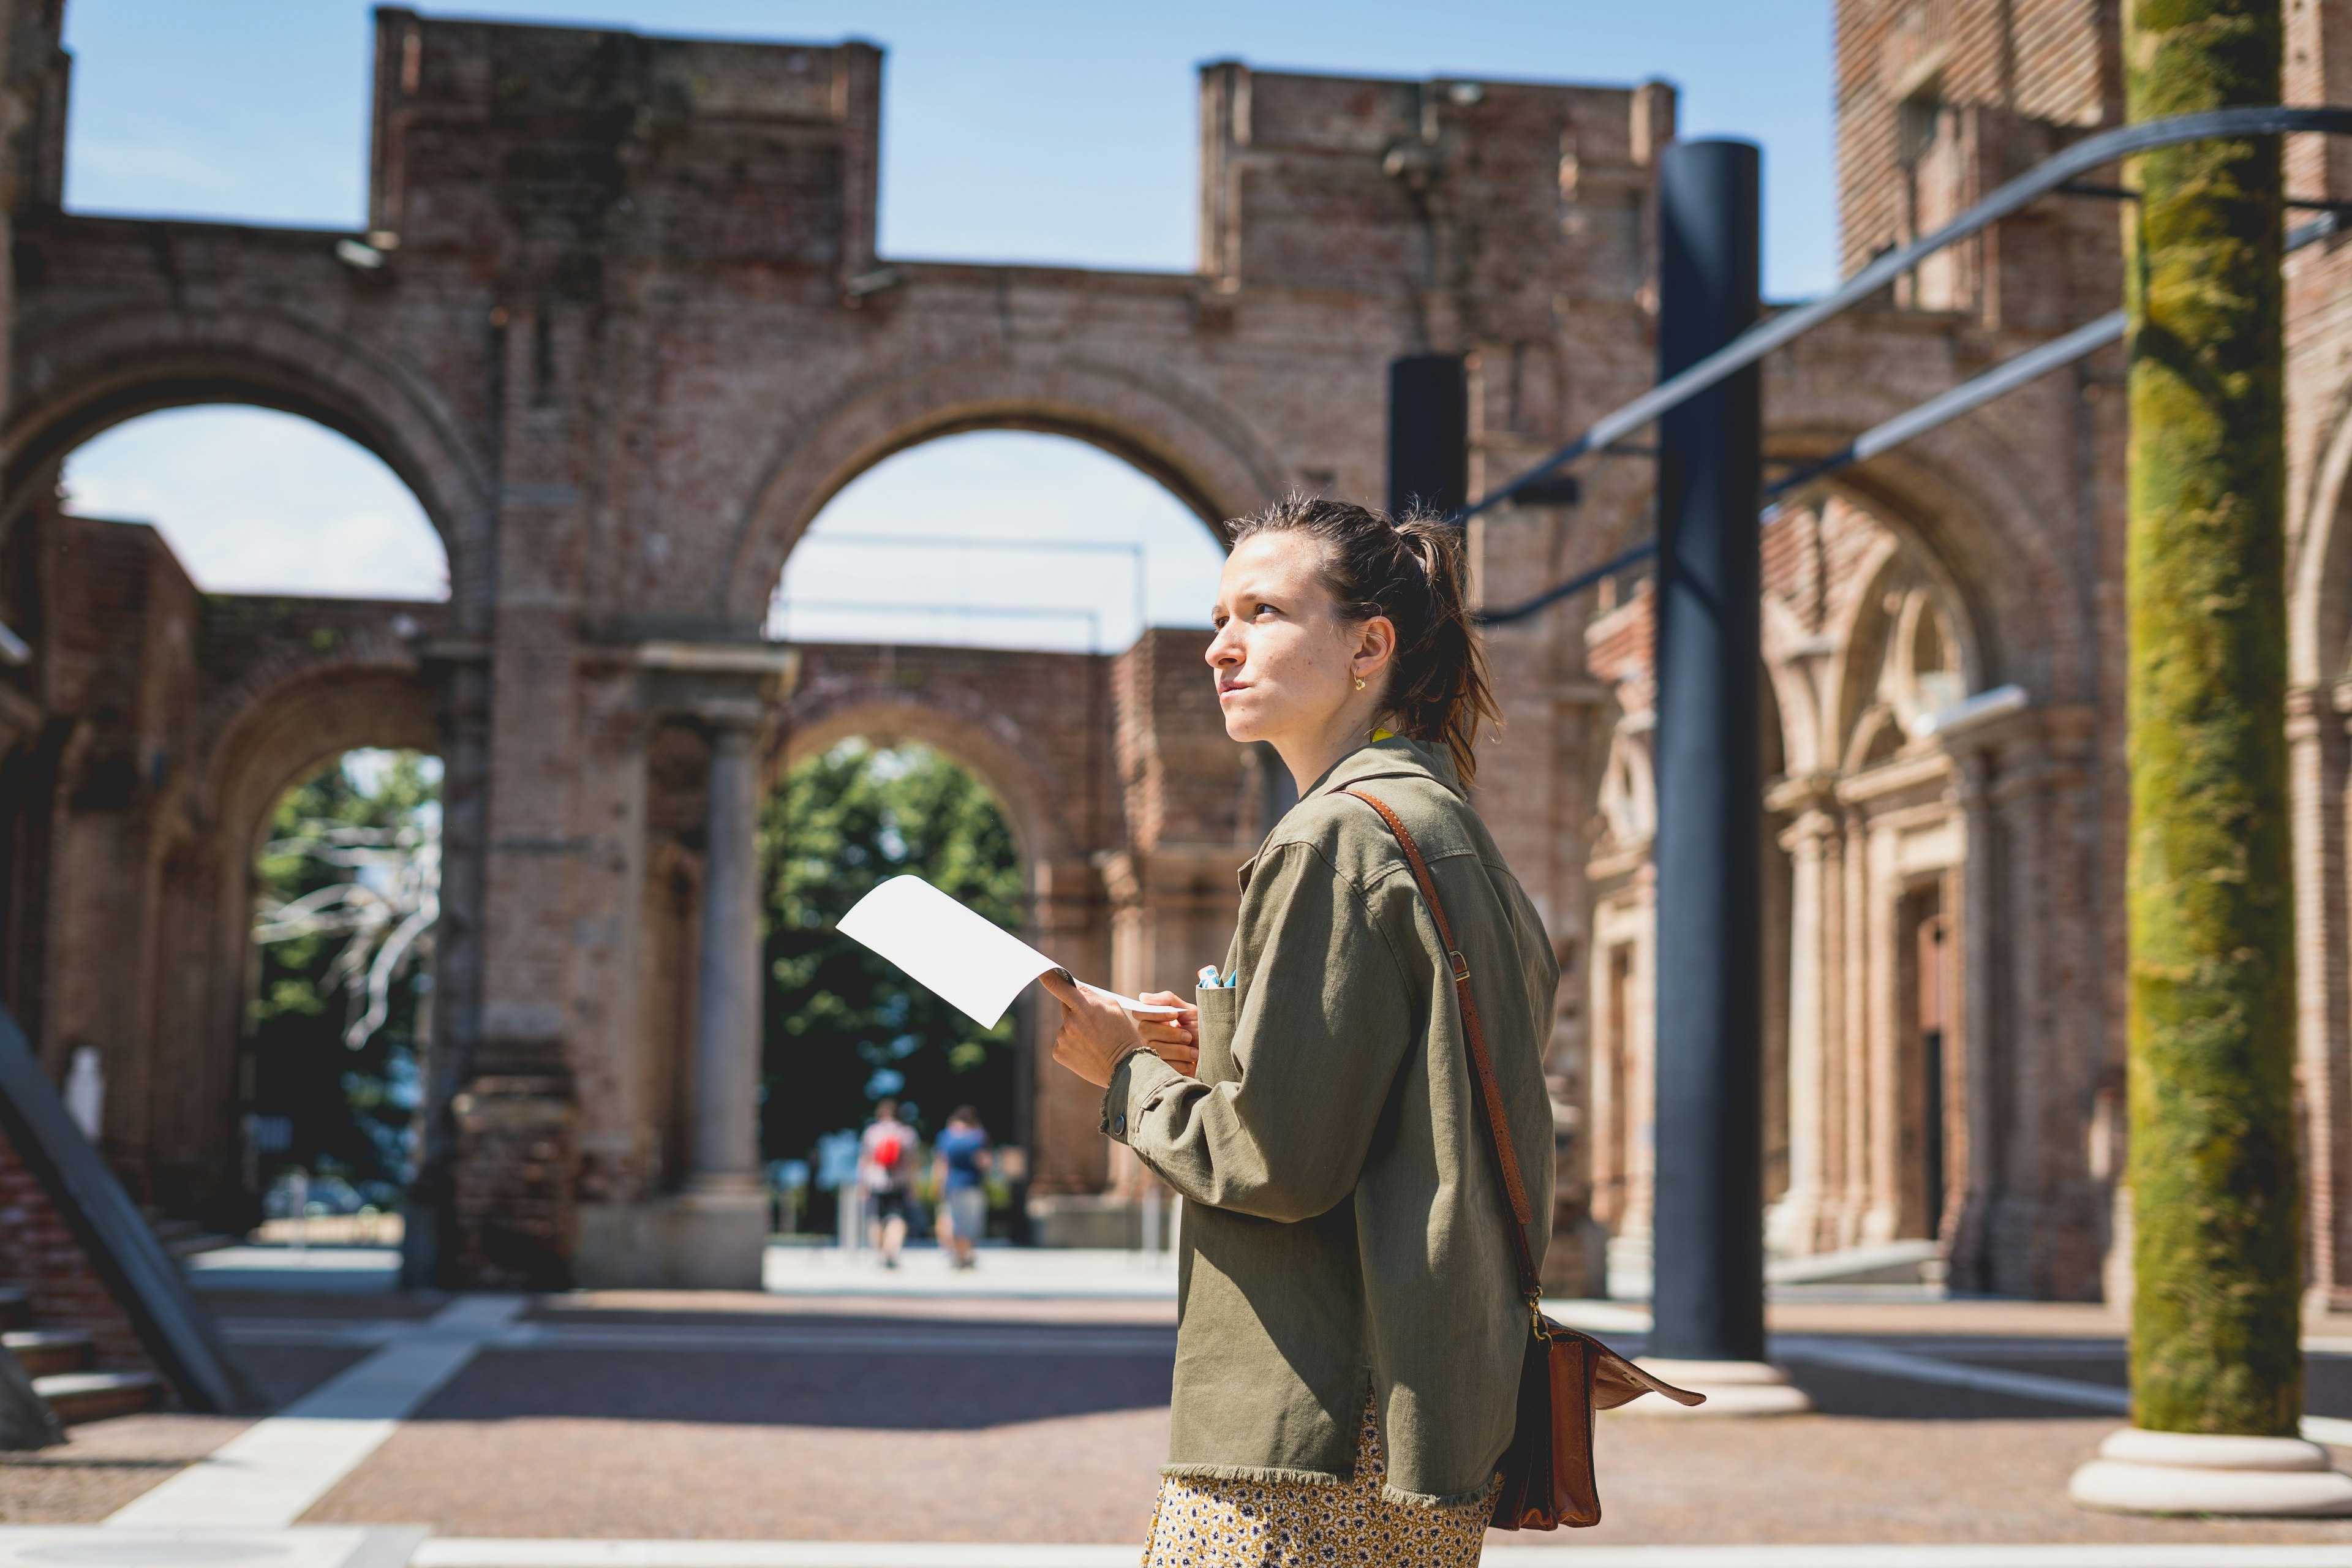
1220, 1006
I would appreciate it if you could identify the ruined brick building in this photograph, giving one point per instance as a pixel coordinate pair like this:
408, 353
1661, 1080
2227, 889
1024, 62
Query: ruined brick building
618, 320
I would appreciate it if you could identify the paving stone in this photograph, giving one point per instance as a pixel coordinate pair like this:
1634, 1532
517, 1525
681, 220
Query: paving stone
104, 1465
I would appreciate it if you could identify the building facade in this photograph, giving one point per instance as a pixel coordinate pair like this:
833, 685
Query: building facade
618, 319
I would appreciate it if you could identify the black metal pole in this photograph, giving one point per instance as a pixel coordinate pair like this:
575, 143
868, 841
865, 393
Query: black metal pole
1708, 1246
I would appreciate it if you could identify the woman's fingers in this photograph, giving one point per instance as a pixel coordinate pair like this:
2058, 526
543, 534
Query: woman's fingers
1184, 1029
1096, 1031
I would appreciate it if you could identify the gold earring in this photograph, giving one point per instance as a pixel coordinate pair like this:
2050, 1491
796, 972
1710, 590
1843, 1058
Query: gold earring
1359, 683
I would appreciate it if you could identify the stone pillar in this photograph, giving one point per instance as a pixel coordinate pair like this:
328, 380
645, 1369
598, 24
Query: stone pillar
718, 1225
2315, 756
1969, 1266
1853, 1036
1794, 1224
711, 1232
726, 1153
1068, 1155
1880, 1155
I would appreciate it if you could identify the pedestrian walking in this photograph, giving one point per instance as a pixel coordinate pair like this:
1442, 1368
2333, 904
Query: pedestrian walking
959, 1165
1352, 1336
886, 1161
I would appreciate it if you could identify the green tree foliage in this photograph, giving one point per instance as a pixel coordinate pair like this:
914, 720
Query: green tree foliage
2210, 880
350, 1108
844, 1027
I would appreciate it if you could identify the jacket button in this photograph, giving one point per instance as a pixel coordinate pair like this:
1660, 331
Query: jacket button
1118, 1125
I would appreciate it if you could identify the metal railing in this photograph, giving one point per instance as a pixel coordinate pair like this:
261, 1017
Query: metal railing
2044, 179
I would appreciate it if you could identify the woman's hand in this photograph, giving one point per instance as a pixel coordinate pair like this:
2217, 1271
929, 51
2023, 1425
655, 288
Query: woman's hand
1176, 1041
1097, 1034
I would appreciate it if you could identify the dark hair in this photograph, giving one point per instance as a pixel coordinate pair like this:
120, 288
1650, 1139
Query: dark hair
1411, 569
965, 1113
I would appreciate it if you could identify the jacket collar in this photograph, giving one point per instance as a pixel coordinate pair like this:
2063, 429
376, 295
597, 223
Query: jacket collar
1393, 757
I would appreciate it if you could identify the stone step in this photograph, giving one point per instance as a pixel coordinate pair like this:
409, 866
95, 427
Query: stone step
44, 1351
185, 1237
79, 1397
15, 1307
1915, 1262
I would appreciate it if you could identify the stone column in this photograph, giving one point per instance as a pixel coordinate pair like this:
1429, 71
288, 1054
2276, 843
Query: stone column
1880, 1039
1853, 1107
1794, 1223
713, 1235
2316, 758
711, 1231
1970, 1265
726, 1153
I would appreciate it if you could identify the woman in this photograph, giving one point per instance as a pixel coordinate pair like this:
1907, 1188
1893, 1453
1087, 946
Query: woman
1351, 1340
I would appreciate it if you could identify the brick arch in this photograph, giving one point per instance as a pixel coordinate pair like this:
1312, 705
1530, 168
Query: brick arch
1204, 455
2319, 557
281, 729
83, 375
1047, 765
1973, 527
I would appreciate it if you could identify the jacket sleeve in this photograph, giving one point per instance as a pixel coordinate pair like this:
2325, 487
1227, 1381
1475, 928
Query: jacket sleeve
1325, 1021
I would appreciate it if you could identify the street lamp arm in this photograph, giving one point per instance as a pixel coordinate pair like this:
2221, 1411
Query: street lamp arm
2045, 177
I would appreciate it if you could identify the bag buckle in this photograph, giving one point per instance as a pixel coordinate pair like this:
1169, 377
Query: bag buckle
1461, 965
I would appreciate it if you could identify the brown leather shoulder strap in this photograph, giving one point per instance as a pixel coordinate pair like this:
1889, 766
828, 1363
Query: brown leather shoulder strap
1490, 1089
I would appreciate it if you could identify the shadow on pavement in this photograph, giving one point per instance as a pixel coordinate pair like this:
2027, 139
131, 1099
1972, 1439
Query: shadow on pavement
874, 1391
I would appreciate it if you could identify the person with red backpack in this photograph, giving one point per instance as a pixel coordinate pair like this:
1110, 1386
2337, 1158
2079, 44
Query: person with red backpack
885, 1163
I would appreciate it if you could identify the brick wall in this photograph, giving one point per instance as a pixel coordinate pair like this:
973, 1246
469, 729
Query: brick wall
39, 1255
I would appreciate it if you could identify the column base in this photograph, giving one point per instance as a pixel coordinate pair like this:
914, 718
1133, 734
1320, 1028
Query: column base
714, 1240
2189, 1472
1732, 1388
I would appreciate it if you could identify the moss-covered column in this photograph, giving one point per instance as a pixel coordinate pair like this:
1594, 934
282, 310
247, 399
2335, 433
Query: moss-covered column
2210, 912
2217, 1372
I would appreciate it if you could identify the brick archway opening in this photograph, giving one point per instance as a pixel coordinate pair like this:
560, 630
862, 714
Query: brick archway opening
219, 1069
845, 1036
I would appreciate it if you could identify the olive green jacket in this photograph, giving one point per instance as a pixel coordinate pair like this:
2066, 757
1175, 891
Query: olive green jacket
1343, 1222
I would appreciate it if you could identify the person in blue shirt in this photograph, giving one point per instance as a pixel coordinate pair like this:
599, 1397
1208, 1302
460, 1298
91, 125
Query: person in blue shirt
959, 1161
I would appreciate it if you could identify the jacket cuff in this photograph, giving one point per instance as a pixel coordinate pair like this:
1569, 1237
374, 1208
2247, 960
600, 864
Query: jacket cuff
1132, 1082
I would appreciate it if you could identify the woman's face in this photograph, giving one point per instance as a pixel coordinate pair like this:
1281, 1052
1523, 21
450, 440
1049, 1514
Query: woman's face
1286, 663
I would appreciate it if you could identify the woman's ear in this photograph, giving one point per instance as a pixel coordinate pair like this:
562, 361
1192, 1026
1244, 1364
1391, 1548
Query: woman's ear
1376, 642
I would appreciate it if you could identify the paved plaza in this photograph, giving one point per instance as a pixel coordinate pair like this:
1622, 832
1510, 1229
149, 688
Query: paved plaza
861, 1418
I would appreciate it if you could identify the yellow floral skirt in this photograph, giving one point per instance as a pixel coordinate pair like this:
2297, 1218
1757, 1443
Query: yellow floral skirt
1289, 1524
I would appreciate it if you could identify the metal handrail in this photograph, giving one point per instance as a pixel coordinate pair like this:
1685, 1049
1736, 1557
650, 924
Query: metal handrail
2039, 181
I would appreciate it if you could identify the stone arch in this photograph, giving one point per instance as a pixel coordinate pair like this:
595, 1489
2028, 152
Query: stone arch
1877, 641
262, 734
1626, 799
84, 377
1957, 500
972, 740
285, 727
2319, 560
1204, 456
1795, 705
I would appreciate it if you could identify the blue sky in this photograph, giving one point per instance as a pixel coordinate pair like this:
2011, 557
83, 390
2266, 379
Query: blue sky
1023, 129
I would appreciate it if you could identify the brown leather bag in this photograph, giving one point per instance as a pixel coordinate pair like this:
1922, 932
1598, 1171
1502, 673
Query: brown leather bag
1546, 1472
